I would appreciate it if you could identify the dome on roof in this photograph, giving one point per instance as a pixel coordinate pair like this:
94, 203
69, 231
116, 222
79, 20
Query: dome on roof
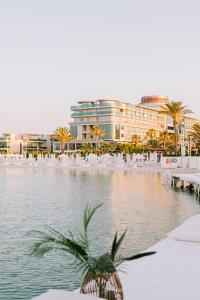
154, 100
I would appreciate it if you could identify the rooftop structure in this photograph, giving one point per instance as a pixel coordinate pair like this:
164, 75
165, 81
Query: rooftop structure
154, 101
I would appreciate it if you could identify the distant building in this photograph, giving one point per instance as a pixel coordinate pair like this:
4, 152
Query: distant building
36, 143
10, 143
25, 143
120, 119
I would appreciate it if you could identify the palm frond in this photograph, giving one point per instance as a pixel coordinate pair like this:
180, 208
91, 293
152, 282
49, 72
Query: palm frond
55, 233
83, 241
118, 260
116, 244
40, 250
75, 249
54, 240
88, 214
138, 256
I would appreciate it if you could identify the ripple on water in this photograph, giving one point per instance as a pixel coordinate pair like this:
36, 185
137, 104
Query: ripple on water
32, 198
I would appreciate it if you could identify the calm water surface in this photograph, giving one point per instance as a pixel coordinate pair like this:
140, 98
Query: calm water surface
33, 198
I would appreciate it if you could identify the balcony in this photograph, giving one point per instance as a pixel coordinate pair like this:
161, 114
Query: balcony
38, 140
104, 104
32, 147
100, 112
90, 105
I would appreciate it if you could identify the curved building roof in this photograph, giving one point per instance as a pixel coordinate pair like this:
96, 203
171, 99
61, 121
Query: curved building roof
154, 100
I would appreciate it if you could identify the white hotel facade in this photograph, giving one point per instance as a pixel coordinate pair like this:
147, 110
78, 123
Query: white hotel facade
120, 119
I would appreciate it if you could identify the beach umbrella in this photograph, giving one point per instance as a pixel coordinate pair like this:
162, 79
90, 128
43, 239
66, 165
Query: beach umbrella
63, 295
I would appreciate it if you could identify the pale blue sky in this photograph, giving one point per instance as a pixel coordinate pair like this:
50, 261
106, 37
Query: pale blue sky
55, 52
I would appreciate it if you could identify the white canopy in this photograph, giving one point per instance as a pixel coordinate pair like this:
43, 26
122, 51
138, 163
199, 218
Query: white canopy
63, 295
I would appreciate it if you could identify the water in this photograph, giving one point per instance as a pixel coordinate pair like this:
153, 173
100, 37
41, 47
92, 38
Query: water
31, 198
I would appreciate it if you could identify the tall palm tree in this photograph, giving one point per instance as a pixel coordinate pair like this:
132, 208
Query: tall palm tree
96, 270
136, 140
62, 135
176, 111
96, 132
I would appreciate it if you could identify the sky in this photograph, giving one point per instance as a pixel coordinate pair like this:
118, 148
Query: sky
54, 53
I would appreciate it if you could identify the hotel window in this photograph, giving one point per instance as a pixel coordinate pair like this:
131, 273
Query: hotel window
74, 131
105, 118
84, 136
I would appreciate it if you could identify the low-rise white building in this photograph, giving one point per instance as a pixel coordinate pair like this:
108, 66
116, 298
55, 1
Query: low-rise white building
25, 143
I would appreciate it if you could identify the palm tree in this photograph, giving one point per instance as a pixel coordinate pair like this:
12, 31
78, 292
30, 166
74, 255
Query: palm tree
165, 140
86, 148
123, 148
196, 134
97, 271
107, 147
96, 132
152, 139
176, 111
151, 134
62, 135
136, 140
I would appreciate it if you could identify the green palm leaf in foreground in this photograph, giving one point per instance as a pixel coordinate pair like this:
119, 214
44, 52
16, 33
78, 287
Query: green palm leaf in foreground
78, 247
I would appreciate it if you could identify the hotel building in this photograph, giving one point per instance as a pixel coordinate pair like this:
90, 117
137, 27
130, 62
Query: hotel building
120, 119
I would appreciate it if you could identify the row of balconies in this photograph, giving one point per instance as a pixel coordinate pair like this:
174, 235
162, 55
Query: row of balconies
109, 104
90, 105
35, 147
111, 112
38, 140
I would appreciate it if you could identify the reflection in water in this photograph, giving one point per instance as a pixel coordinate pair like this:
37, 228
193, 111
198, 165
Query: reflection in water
31, 198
